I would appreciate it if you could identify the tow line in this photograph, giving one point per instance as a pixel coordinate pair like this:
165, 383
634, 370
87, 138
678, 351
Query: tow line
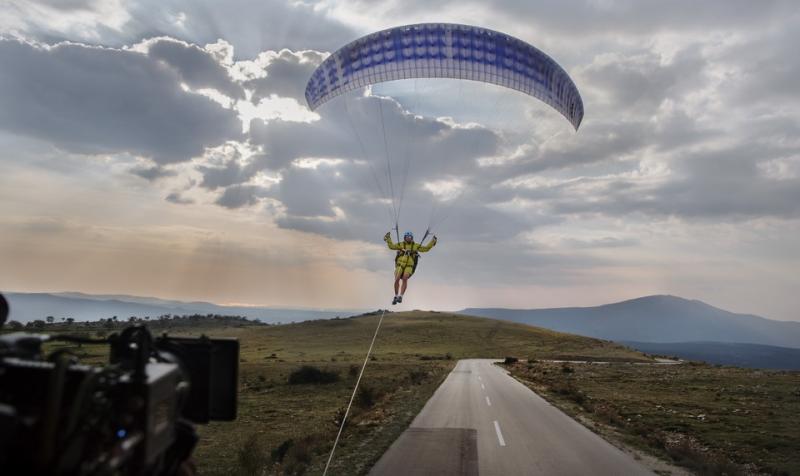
353, 396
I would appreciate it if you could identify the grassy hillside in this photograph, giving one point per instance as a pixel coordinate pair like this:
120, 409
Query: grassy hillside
413, 354
713, 420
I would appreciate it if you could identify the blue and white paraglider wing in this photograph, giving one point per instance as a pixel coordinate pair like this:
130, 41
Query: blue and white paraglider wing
442, 50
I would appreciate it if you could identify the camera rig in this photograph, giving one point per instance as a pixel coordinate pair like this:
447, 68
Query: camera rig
133, 416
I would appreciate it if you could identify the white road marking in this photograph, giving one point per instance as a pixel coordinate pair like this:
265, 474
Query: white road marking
479, 377
488, 402
499, 434
482, 387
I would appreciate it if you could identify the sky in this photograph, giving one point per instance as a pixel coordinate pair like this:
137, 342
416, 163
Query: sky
164, 148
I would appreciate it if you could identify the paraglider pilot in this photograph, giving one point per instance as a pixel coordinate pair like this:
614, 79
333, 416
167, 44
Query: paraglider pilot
406, 260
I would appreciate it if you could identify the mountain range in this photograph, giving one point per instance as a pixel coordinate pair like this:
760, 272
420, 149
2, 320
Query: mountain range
661, 318
665, 325
26, 307
726, 353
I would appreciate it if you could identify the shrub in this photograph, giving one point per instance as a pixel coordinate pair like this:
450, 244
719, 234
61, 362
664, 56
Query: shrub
353, 371
279, 452
250, 459
298, 456
417, 376
447, 356
569, 391
366, 397
310, 374
511, 360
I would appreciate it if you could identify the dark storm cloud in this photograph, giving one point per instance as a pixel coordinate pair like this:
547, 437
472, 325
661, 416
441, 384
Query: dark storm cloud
98, 100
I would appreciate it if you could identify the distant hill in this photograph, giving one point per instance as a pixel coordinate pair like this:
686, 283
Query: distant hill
430, 335
26, 307
662, 319
725, 353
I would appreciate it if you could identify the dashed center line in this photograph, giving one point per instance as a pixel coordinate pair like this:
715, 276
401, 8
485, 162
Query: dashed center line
488, 402
499, 434
482, 387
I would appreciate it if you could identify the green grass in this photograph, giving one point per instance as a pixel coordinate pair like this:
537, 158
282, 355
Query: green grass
709, 419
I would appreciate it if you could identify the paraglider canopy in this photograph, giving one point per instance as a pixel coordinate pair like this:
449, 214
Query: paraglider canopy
444, 50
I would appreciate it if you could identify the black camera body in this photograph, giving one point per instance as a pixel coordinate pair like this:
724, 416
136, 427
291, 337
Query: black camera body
133, 416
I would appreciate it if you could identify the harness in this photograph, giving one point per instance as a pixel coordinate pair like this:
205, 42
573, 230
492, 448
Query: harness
414, 254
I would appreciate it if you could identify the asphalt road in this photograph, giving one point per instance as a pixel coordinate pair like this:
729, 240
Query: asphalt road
482, 421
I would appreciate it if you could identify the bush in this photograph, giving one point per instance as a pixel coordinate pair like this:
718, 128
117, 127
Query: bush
310, 374
366, 397
417, 376
565, 368
279, 452
250, 459
511, 360
569, 391
299, 457
353, 371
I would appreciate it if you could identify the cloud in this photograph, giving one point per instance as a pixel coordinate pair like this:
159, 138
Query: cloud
287, 73
708, 185
583, 18
251, 26
644, 79
238, 196
95, 100
763, 70
176, 198
198, 68
153, 173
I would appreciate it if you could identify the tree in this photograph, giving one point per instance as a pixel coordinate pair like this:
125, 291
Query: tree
70, 320
50, 319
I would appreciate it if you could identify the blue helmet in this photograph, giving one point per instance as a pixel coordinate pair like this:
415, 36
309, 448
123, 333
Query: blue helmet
407, 234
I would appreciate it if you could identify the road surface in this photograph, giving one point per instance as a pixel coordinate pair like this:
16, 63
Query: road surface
481, 421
